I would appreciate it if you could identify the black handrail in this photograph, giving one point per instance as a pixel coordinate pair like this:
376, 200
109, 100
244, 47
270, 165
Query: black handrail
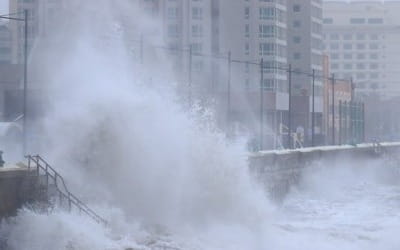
49, 171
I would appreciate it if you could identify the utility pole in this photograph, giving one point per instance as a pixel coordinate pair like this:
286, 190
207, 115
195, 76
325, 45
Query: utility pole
290, 108
228, 115
313, 110
262, 104
333, 109
363, 121
25, 80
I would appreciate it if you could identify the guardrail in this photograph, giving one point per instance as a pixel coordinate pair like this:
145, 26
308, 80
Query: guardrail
42, 166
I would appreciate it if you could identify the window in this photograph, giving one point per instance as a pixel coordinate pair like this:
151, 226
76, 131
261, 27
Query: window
296, 23
360, 76
296, 39
373, 56
334, 46
296, 56
348, 66
360, 46
328, 21
347, 36
247, 30
347, 56
360, 66
197, 48
357, 20
247, 50
173, 30
266, 31
373, 66
197, 30
268, 84
247, 12
334, 36
267, 13
360, 56
373, 46
267, 49
197, 13
334, 66
334, 56
375, 20
374, 37
374, 75
172, 13
296, 8
347, 46
360, 36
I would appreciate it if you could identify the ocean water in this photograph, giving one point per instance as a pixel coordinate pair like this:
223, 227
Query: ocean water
164, 176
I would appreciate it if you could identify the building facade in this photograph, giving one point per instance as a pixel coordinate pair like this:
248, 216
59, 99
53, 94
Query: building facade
305, 56
361, 39
42, 15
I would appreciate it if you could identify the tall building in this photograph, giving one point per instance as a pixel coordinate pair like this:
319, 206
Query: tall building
248, 31
251, 31
362, 41
305, 55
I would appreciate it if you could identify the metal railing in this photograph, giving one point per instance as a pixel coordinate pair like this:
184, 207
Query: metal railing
42, 166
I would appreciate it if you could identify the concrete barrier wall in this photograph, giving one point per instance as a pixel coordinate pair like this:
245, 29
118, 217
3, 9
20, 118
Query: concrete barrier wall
18, 186
278, 170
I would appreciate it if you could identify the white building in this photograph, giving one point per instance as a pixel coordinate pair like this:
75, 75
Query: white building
362, 40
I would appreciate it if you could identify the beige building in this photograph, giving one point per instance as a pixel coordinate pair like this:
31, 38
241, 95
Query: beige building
362, 39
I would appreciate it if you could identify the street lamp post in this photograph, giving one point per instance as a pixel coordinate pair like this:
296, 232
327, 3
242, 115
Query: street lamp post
24, 105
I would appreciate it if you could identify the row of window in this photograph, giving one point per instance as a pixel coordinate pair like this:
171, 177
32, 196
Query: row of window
268, 13
173, 13
349, 36
272, 49
350, 66
349, 46
359, 56
358, 75
357, 21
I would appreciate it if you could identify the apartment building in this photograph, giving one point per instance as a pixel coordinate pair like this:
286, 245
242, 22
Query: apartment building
362, 40
277, 31
305, 55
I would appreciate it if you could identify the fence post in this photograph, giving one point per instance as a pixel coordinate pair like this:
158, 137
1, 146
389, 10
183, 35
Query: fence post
262, 104
340, 122
313, 110
290, 108
363, 122
333, 109
346, 126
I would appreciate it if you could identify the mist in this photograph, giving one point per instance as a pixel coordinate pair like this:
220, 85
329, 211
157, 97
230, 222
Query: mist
161, 169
